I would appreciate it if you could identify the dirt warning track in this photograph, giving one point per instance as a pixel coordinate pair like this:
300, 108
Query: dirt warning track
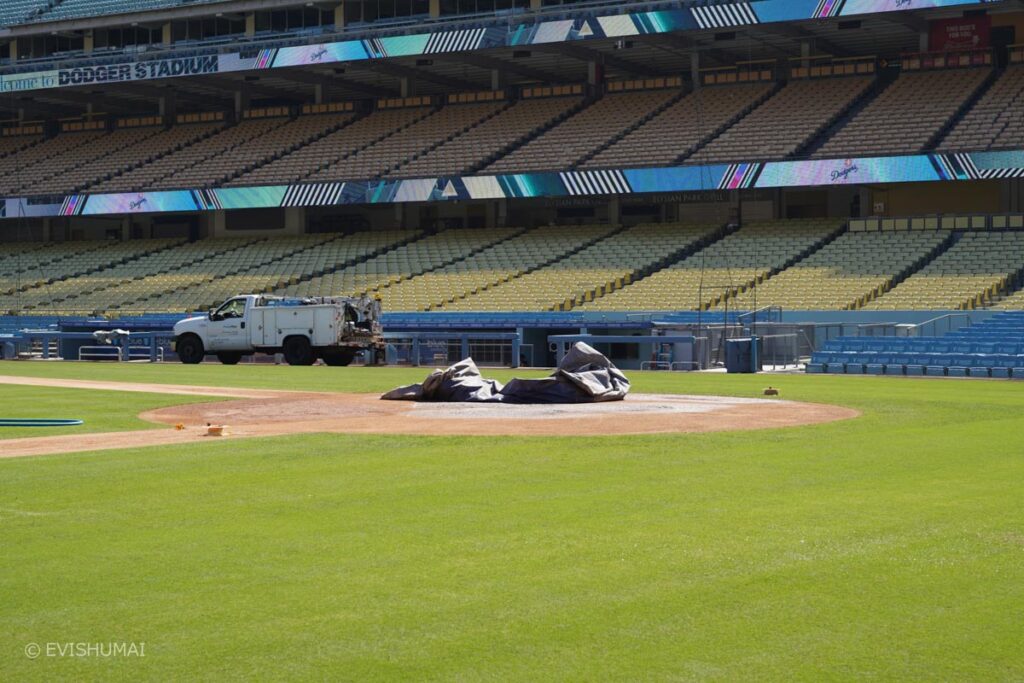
257, 413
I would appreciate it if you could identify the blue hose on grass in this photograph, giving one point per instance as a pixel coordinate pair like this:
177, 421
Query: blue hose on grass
47, 422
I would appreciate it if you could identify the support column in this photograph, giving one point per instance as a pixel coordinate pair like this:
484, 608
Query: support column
12, 50
695, 69
88, 42
167, 36
169, 108
218, 224
805, 54
339, 16
406, 86
502, 213
867, 206
399, 215
923, 41
435, 9
295, 220
615, 210
535, 4
498, 80
595, 74
250, 24
47, 229
318, 93
242, 100
126, 228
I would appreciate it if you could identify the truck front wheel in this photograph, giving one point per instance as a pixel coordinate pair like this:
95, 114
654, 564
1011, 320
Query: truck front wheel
190, 349
298, 351
340, 358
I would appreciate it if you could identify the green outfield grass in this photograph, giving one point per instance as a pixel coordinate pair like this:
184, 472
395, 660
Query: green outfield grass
102, 411
889, 547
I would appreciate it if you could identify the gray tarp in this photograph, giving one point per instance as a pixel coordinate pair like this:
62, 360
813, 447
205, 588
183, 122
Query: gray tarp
583, 376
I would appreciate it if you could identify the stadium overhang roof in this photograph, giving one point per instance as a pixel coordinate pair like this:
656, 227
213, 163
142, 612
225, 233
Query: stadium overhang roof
454, 57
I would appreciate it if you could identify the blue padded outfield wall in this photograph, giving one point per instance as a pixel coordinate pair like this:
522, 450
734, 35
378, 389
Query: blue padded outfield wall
584, 26
811, 173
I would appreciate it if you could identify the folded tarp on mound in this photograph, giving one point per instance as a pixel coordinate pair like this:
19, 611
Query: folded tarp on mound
583, 376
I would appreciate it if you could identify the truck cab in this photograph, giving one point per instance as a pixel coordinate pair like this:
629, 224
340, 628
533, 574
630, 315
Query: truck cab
227, 327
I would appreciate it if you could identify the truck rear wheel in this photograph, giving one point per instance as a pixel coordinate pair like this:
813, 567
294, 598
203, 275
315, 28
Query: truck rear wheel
190, 349
229, 357
339, 359
298, 351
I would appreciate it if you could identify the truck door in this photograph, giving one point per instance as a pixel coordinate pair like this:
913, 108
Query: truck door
227, 331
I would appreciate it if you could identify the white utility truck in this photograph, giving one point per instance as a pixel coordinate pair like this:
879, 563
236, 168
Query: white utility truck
303, 329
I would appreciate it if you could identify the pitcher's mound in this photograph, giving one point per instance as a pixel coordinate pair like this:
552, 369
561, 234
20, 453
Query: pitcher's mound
638, 414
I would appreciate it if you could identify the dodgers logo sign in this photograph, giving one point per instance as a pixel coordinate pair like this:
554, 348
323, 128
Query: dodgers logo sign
842, 175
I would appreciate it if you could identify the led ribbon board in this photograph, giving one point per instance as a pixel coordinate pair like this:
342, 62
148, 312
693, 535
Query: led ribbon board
773, 174
585, 26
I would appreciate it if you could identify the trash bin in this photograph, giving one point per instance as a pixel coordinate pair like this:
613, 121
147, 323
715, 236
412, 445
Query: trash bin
739, 355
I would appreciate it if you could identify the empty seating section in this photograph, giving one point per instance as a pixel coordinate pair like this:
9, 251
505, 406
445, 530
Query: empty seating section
604, 266
170, 292
430, 131
844, 274
38, 276
160, 171
201, 165
15, 11
996, 121
809, 264
729, 265
16, 169
77, 9
678, 130
489, 267
992, 348
102, 157
1012, 302
112, 173
61, 172
142, 277
583, 133
281, 137
478, 144
977, 268
15, 143
33, 267
384, 275
257, 268
906, 115
332, 148
788, 120
13, 254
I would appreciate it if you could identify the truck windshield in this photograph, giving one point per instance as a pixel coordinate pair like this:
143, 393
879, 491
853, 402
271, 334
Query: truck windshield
232, 309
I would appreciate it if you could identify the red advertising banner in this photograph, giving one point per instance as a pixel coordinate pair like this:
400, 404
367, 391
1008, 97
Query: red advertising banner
960, 34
